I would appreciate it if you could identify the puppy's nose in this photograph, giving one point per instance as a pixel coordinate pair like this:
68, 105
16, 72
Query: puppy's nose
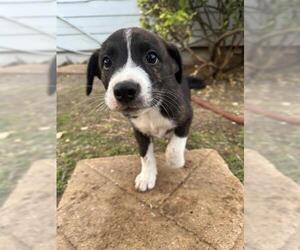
126, 91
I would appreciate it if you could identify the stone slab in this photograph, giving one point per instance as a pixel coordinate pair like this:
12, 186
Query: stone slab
197, 207
27, 218
116, 170
272, 206
210, 203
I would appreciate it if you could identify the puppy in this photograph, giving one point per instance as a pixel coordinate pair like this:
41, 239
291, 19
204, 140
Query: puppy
142, 76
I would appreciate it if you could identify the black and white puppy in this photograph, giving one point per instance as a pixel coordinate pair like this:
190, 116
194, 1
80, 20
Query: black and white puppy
142, 75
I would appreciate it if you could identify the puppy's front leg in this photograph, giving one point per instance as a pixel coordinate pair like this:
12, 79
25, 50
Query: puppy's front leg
175, 151
147, 177
176, 147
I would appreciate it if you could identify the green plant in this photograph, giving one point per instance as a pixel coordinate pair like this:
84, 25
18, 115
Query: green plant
217, 25
167, 17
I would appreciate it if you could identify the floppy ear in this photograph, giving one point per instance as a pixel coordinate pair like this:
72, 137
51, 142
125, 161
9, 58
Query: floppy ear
177, 66
92, 71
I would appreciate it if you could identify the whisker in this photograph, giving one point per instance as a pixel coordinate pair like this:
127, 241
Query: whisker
170, 100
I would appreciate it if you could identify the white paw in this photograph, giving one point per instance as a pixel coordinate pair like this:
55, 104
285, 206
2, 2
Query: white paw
175, 159
145, 181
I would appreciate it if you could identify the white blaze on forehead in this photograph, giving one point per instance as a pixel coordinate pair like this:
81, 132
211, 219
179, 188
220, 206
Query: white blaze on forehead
128, 33
129, 72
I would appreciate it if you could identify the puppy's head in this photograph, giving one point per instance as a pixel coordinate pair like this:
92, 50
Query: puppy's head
135, 66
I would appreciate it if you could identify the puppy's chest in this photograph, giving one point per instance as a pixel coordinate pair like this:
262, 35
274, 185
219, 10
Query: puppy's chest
153, 123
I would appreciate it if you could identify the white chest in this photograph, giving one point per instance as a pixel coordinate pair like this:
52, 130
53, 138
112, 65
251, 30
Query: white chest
153, 123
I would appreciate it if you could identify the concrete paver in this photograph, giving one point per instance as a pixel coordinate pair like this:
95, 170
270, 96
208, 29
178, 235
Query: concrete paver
27, 218
197, 207
209, 203
272, 206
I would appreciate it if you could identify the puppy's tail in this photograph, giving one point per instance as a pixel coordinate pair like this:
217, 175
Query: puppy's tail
195, 82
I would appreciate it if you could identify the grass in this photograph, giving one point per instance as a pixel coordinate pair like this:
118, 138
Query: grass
276, 140
29, 115
89, 133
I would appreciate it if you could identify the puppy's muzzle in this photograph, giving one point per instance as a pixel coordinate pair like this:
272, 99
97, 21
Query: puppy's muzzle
126, 92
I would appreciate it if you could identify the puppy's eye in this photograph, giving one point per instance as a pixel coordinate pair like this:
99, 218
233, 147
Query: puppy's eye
151, 57
106, 63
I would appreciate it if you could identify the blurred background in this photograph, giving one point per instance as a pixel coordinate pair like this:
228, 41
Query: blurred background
272, 134
27, 124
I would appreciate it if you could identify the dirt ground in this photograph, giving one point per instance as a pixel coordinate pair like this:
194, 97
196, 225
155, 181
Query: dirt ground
84, 130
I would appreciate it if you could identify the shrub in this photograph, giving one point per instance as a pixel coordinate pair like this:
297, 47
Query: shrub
215, 24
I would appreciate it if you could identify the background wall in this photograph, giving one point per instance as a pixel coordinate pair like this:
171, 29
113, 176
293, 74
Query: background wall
27, 31
80, 27
83, 25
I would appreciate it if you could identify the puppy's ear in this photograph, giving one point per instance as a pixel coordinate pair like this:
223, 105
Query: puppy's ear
175, 55
92, 71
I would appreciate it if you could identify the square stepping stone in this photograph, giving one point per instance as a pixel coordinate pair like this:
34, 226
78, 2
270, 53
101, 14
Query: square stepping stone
196, 207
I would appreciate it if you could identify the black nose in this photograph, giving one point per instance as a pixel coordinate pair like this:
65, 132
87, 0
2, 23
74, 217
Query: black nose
126, 91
